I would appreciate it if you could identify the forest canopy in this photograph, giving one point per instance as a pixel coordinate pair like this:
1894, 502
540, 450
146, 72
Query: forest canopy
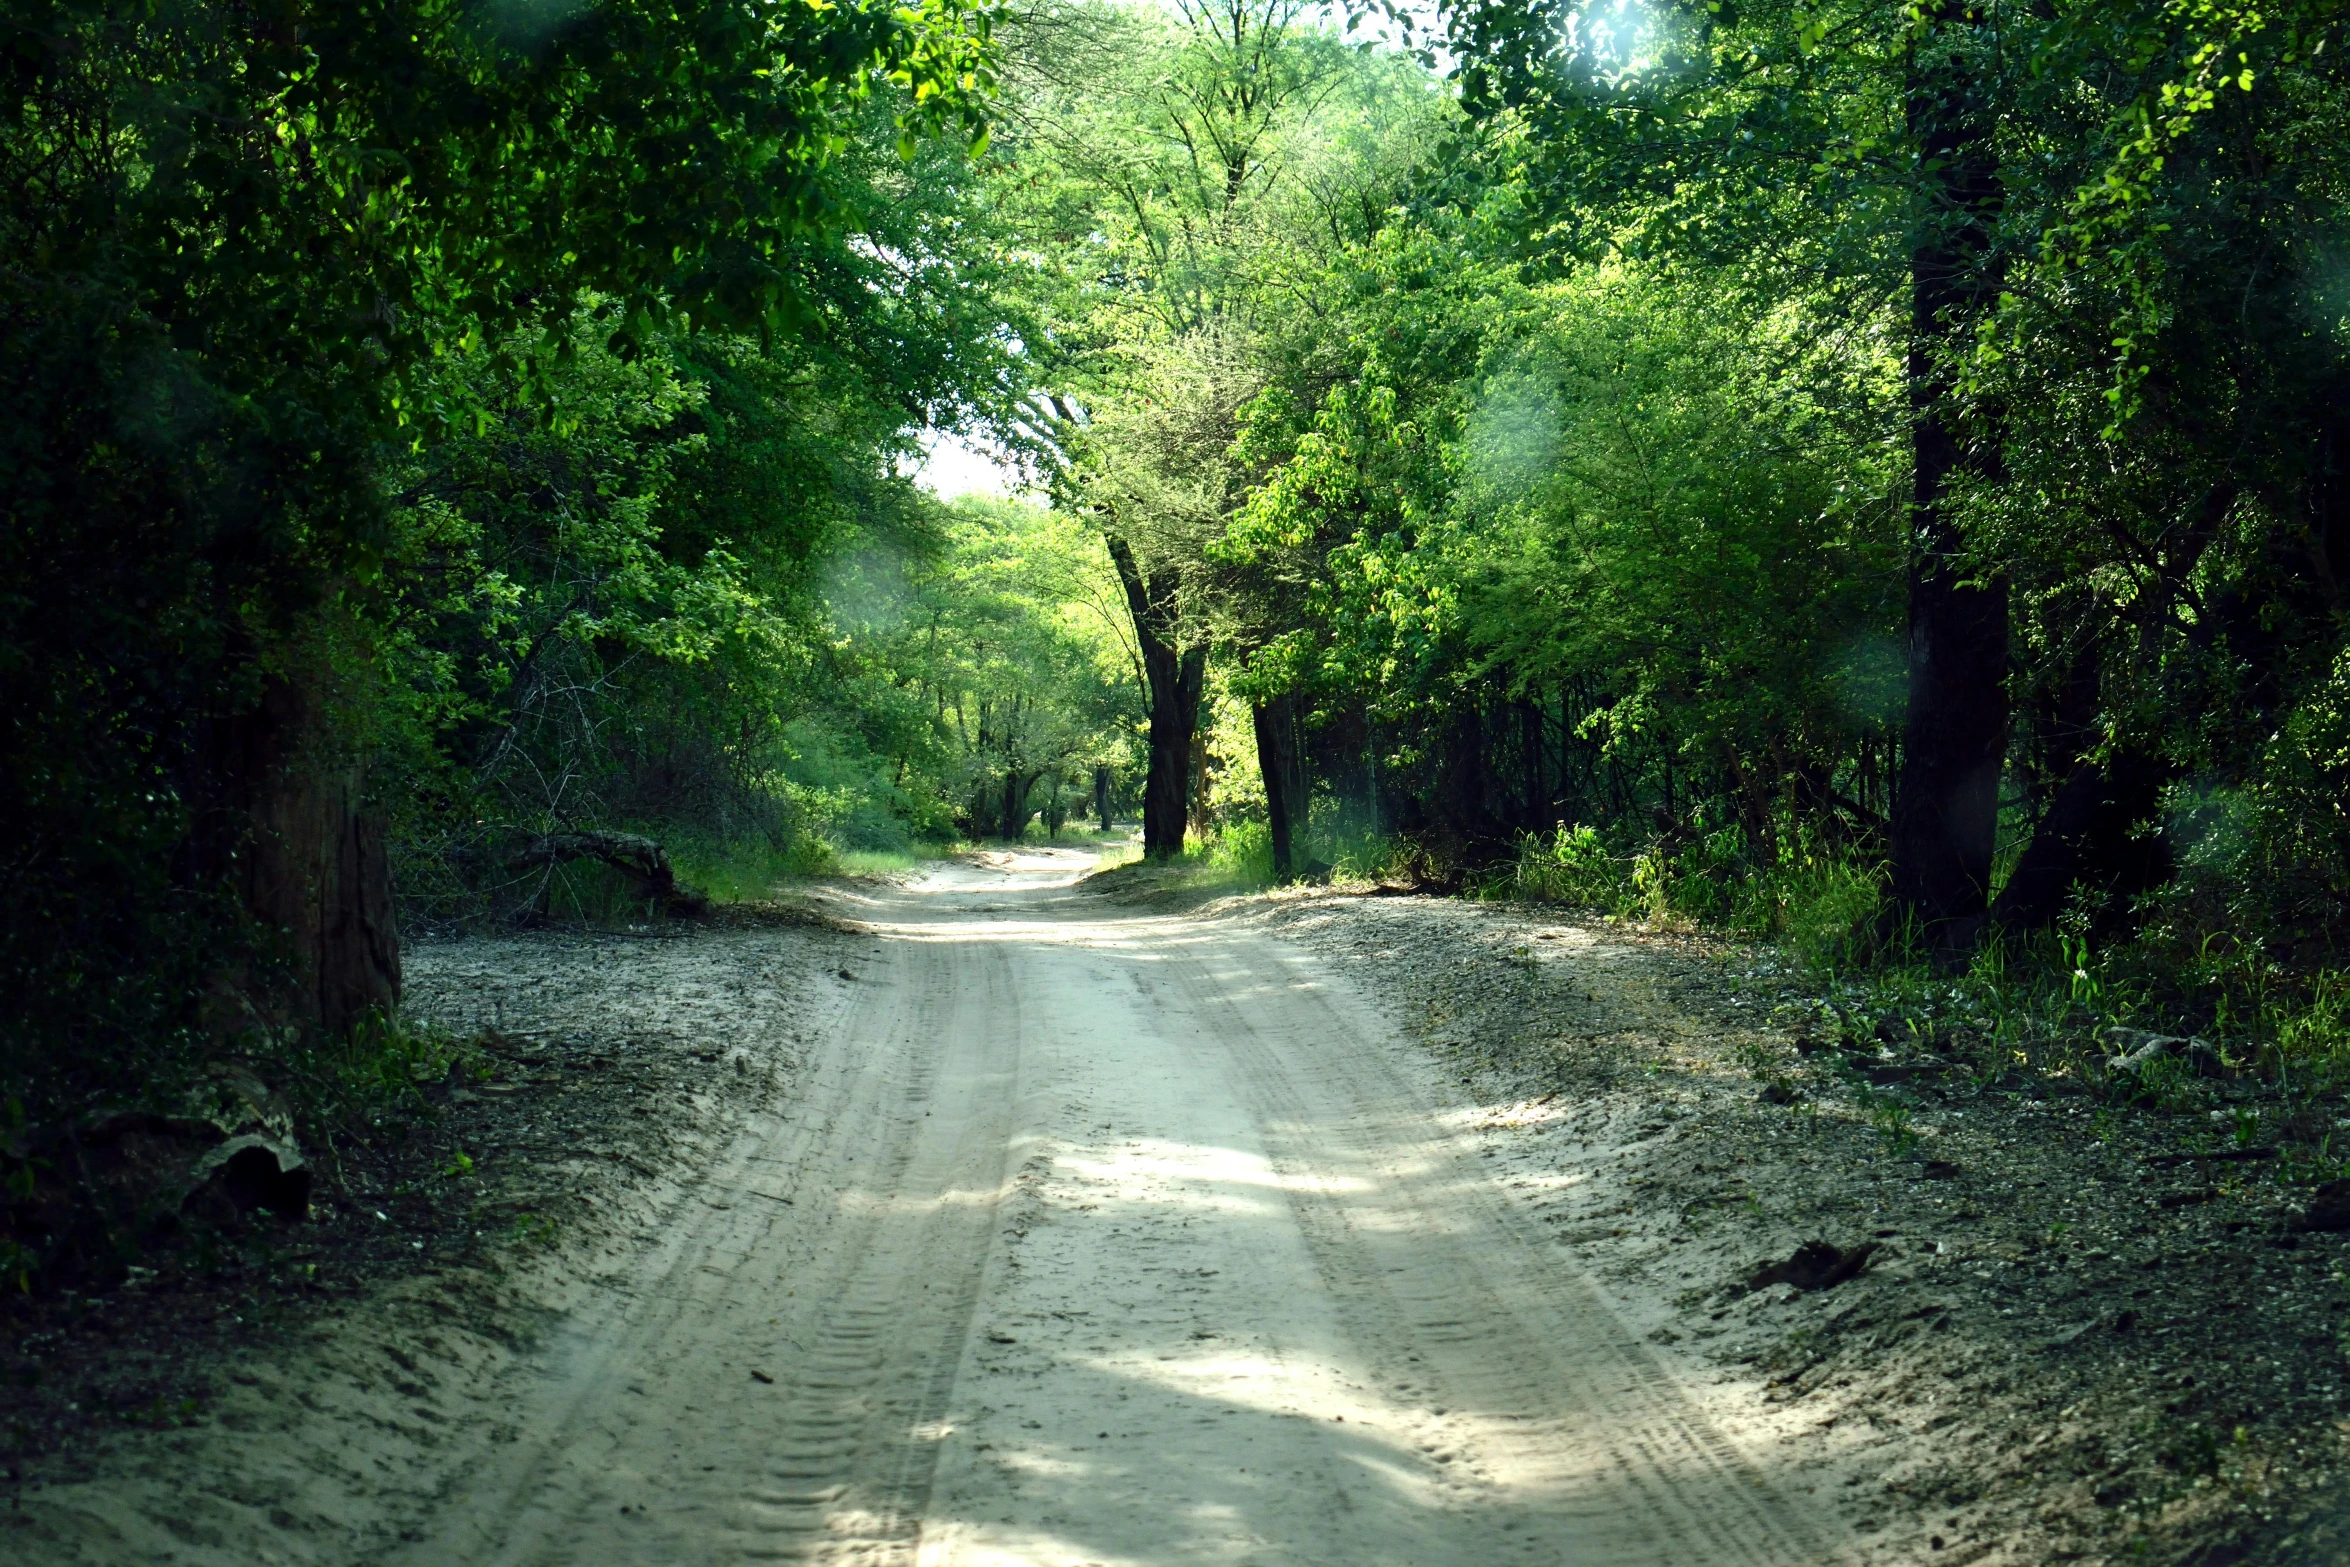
1864, 474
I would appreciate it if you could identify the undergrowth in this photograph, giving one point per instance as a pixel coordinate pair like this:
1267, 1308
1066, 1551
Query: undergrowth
2046, 1001
747, 871
77, 1208
1237, 856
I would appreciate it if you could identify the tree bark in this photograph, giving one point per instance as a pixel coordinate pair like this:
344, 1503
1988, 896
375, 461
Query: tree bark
1015, 803
1101, 793
1954, 740
280, 816
1277, 760
1174, 675
2087, 836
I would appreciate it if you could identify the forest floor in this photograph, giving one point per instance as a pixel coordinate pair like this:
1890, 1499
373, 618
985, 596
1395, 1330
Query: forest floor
999, 1219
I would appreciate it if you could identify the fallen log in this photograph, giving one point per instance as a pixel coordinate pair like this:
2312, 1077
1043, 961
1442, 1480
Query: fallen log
640, 859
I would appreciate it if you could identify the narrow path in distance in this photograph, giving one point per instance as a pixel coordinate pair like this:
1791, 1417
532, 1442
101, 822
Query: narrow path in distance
1105, 1238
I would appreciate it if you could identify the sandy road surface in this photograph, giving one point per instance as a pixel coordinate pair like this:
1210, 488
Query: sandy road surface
1060, 1233
1104, 1239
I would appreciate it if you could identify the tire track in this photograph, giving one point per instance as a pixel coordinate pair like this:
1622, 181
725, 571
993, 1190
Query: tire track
848, 1477
1083, 1237
762, 1388
1476, 1312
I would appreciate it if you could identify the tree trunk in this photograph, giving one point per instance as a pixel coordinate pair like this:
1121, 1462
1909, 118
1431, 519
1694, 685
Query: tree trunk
2089, 831
279, 815
1301, 783
2086, 835
1101, 793
1199, 780
1462, 794
1954, 740
1533, 813
1015, 803
1175, 676
1277, 759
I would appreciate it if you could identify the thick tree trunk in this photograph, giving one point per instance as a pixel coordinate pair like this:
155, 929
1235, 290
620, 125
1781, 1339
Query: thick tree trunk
1277, 760
1166, 793
1175, 676
279, 815
1954, 741
1015, 819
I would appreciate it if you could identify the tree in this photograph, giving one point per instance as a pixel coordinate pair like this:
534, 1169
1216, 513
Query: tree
1197, 192
241, 242
1954, 736
1800, 131
995, 651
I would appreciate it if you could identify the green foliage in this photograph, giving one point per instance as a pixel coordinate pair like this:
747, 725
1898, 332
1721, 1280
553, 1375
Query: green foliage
508, 414
988, 669
1831, 913
372, 1077
257, 256
1572, 866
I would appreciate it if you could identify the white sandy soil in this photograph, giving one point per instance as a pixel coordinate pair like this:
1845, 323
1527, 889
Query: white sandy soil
1071, 1235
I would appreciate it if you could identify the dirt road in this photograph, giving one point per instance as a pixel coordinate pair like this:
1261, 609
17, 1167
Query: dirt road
1081, 1236
1093, 1240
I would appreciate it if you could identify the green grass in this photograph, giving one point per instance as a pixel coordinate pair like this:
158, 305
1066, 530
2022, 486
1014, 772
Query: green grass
1239, 858
749, 871
1117, 851
891, 862
1078, 833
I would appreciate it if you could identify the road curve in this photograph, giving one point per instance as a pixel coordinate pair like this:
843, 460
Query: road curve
1114, 1238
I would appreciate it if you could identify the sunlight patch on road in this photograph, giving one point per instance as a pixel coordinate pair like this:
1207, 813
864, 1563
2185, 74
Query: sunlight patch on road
1526, 1112
1258, 1382
1305, 1390
1130, 1169
1369, 1432
1031, 1461
952, 1197
993, 1545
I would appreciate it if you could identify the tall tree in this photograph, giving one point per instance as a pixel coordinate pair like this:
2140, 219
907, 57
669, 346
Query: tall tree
1175, 674
1954, 739
1793, 132
1173, 169
239, 240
